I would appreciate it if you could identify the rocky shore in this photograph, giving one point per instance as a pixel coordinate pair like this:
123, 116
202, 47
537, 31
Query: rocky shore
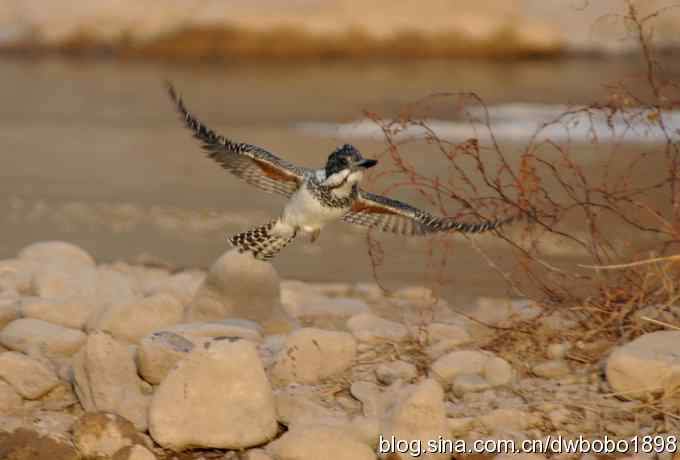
128, 362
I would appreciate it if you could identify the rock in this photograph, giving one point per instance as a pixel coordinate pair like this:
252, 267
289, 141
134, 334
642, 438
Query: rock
9, 311
461, 426
57, 281
459, 362
70, 313
217, 397
419, 415
23, 444
553, 369
504, 312
367, 327
498, 371
451, 333
29, 377
392, 371
519, 457
311, 355
134, 320
308, 304
48, 252
494, 370
467, 383
10, 400
32, 335
313, 443
198, 333
239, 286
504, 420
106, 380
558, 350
301, 405
183, 286
649, 365
257, 454
159, 352
136, 452
102, 434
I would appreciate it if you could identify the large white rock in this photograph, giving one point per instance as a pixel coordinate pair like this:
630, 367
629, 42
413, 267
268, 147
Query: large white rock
370, 328
311, 355
159, 352
134, 320
29, 377
35, 336
305, 302
65, 281
420, 414
303, 405
504, 312
106, 380
48, 252
217, 397
314, 443
101, 435
71, 313
239, 286
649, 365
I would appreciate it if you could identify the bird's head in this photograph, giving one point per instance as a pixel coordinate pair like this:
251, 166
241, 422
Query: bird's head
346, 164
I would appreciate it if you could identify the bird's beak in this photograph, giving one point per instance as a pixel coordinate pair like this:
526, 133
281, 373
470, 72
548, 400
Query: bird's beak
366, 163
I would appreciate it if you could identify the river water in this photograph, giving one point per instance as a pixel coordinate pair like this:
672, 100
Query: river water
92, 152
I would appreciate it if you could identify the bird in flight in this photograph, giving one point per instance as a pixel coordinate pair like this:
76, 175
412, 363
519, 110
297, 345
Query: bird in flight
316, 197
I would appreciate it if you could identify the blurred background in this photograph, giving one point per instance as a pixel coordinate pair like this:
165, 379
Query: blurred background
92, 152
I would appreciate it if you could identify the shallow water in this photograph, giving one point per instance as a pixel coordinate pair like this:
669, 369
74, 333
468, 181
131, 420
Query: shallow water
92, 151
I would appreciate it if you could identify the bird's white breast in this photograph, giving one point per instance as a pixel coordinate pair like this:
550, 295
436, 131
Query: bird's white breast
306, 212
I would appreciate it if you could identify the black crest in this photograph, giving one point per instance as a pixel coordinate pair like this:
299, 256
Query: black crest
342, 158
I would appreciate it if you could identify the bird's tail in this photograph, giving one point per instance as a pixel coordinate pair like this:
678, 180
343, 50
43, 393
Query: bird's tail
262, 242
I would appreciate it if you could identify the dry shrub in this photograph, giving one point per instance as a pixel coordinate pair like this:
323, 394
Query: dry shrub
607, 214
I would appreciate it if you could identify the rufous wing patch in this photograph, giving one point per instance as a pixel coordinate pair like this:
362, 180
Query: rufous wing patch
275, 173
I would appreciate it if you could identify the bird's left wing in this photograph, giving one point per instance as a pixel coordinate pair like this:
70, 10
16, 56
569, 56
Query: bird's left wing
253, 164
388, 215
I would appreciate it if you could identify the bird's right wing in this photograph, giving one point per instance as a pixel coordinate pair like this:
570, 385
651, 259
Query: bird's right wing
388, 215
253, 164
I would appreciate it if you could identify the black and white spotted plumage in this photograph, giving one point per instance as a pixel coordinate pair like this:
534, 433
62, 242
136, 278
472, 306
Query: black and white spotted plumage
253, 164
262, 242
316, 197
388, 215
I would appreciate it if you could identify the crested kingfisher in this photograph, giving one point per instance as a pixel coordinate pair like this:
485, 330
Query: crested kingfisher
316, 197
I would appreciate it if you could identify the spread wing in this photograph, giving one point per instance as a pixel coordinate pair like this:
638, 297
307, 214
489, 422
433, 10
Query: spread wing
388, 215
253, 164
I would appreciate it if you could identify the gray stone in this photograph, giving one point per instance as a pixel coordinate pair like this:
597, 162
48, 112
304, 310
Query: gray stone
135, 452
159, 352
200, 332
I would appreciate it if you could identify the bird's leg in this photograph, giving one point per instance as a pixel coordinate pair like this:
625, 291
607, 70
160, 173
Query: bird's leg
315, 235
